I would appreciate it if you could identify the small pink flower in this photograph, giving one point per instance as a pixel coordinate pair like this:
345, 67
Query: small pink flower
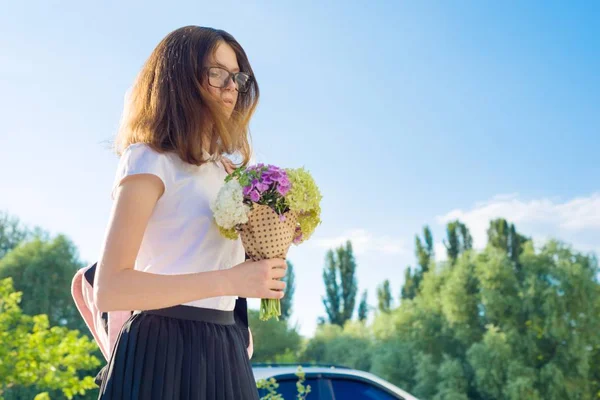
298, 239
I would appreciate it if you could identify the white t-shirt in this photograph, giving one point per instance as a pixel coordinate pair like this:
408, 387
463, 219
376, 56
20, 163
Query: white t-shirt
181, 236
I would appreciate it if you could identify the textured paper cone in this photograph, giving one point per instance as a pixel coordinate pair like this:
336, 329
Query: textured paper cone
264, 236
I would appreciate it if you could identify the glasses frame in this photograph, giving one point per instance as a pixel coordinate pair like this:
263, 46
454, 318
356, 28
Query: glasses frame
230, 76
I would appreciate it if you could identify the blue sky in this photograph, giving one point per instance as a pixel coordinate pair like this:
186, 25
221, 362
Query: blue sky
406, 113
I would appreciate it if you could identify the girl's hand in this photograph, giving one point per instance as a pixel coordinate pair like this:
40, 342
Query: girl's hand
258, 279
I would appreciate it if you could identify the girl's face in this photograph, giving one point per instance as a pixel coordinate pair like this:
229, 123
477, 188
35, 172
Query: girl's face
221, 82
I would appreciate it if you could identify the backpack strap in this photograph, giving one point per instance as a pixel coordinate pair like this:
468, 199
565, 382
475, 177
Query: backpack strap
83, 295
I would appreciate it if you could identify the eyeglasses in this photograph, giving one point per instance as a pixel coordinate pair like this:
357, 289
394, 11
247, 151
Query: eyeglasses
220, 77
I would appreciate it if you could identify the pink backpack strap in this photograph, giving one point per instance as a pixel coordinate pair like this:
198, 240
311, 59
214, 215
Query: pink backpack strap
116, 320
83, 295
104, 328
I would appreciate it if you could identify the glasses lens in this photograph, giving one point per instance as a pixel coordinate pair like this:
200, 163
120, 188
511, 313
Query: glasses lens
243, 82
219, 78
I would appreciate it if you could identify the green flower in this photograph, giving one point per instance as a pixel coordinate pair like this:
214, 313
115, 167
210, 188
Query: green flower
228, 233
309, 222
304, 198
304, 195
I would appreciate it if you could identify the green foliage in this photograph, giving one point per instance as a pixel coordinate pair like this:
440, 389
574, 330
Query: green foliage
393, 358
458, 240
271, 386
363, 308
507, 322
504, 236
410, 286
384, 297
288, 299
303, 390
35, 354
350, 346
332, 300
425, 255
424, 249
275, 341
43, 269
12, 233
453, 384
504, 323
339, 276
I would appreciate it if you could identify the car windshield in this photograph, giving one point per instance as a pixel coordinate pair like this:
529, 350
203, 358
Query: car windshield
351, 389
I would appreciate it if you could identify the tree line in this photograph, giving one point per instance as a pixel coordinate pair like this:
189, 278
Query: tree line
509, 321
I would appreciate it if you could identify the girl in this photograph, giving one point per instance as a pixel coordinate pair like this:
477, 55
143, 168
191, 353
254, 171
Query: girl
163, 255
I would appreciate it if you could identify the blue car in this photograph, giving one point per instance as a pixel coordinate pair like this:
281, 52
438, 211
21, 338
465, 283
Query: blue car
329, 383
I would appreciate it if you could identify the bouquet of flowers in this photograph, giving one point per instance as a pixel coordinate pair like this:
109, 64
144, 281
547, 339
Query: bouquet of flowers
270, 208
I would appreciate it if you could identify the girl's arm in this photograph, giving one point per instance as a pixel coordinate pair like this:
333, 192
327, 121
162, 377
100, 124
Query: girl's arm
119, 287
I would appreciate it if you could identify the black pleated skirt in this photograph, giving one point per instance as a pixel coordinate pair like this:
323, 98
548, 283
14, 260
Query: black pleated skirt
180, 353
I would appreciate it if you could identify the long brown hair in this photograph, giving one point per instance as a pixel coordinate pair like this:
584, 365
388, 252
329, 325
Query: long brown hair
170, 109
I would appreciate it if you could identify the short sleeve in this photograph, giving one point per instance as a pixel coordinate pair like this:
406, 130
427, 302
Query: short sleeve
140, 158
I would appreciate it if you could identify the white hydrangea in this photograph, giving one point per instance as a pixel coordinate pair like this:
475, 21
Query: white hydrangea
228, 208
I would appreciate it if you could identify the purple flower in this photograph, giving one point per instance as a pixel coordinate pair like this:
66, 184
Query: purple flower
284, 181
254, 196
269, 177
262, 187
282, 217
283, 190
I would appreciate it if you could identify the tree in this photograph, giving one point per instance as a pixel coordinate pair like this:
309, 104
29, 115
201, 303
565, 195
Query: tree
425, 253
393, 358
482, 329
339, 276
384, 297
12, 232
459, 240
347, 268
287, 301
350, 346
332, 300
504, 236
43, 271
35, 354
424, 250
363, 307
274, 341
409, 288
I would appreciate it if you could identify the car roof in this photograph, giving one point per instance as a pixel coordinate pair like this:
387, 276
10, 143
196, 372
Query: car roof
266, 372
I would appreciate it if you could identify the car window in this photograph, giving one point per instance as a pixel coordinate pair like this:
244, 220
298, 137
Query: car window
357, 390
287, 389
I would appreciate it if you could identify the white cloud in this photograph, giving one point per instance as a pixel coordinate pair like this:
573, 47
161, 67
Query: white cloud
440, 251
575, 221
364, 242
